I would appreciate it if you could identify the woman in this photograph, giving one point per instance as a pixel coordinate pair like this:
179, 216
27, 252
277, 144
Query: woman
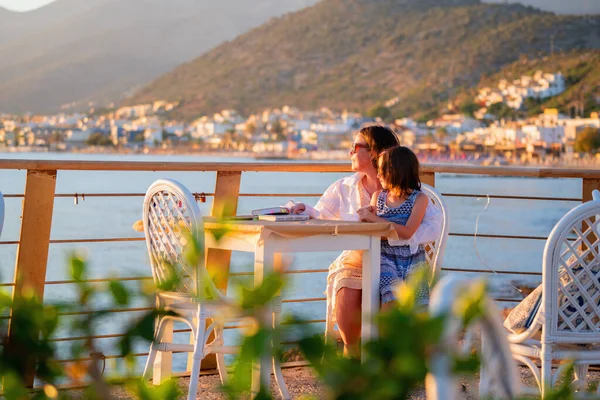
342, 201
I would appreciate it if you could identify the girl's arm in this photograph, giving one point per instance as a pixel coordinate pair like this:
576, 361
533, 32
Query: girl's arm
415, 219
374, 200
428, 231
368, 213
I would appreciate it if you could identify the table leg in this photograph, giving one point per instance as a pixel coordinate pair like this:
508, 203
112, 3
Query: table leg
370, 289
263, 266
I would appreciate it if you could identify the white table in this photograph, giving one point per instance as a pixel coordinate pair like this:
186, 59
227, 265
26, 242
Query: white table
265, 239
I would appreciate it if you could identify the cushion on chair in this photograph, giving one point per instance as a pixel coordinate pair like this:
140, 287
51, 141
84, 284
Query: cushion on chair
522, 316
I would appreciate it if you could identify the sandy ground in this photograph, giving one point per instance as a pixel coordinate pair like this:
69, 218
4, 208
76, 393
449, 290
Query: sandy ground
303, 384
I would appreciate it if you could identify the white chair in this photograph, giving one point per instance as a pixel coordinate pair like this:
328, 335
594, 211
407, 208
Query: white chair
434, 252
441, 381
568, 318
1, 212
170, 214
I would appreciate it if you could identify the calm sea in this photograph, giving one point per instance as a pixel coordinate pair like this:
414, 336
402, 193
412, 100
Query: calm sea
113, 217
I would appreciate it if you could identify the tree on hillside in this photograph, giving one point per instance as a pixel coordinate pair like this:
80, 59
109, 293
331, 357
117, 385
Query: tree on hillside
468, 108
588, 140
501, 110
278, 129
441, 134
380, 111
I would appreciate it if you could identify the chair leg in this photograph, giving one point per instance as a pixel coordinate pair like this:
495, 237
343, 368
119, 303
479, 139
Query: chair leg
581, 371
283, 390
198, 353
148, 368
484, 389
546, 362
222, 368
149, 362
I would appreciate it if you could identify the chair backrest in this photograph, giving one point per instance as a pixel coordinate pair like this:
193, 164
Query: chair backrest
170, 215
571, 277
434, 251
441, 381
1, 212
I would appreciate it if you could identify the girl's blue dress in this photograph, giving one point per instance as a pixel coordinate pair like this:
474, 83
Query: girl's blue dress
397, 263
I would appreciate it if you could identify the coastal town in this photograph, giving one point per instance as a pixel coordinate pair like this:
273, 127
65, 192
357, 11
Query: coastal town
483, 135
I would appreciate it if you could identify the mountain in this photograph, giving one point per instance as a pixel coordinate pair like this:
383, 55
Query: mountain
575, 7
80, 51
356, 54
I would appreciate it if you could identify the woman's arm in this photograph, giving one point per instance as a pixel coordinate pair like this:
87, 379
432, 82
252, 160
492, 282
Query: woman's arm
328, 206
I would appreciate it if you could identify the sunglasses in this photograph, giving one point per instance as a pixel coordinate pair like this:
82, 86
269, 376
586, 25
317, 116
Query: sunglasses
358, 146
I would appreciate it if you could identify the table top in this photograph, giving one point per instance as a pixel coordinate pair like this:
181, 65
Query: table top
299, 228
308, 227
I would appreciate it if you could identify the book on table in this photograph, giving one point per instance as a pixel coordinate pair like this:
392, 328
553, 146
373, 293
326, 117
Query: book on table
285, 217
247, 217
271, 211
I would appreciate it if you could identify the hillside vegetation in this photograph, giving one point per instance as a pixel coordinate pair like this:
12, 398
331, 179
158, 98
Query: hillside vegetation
356, 54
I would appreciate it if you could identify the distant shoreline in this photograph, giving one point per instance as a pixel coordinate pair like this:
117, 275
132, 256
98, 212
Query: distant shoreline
312, 155
322, 155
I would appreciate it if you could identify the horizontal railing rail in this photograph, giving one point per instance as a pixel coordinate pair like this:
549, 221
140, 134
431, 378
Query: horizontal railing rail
73, 165
39, 196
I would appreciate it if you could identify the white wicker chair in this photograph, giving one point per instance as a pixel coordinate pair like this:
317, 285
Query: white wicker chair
1, 212
170, 212
433, 251
441, 382
569, 315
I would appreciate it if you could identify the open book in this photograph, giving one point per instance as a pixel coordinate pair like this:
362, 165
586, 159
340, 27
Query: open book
287, 217
271, 211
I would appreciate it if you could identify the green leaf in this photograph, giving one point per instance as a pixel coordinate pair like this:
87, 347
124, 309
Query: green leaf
119, 292
14, 387
78, 267
142, 390
261, 295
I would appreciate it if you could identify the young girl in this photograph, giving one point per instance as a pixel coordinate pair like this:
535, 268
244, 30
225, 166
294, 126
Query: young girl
402, 203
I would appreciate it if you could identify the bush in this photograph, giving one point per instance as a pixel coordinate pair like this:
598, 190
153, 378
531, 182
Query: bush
380, 112
98, 139
588, 140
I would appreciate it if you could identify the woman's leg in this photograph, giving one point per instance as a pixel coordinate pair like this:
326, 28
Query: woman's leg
348, 314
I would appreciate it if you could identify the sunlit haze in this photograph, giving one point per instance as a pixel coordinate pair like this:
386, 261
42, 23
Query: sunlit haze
560, 6
23, 5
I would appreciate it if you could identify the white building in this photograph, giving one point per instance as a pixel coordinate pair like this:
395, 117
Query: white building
539, 86
549, 135
77, 136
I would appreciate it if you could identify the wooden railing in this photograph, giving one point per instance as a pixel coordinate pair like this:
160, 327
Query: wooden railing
40, 192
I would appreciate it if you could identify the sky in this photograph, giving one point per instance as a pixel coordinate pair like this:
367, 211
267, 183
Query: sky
24, 5
564, 6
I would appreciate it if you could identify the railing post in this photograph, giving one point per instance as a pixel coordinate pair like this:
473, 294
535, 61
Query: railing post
34, 241
428, 178
587, 187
